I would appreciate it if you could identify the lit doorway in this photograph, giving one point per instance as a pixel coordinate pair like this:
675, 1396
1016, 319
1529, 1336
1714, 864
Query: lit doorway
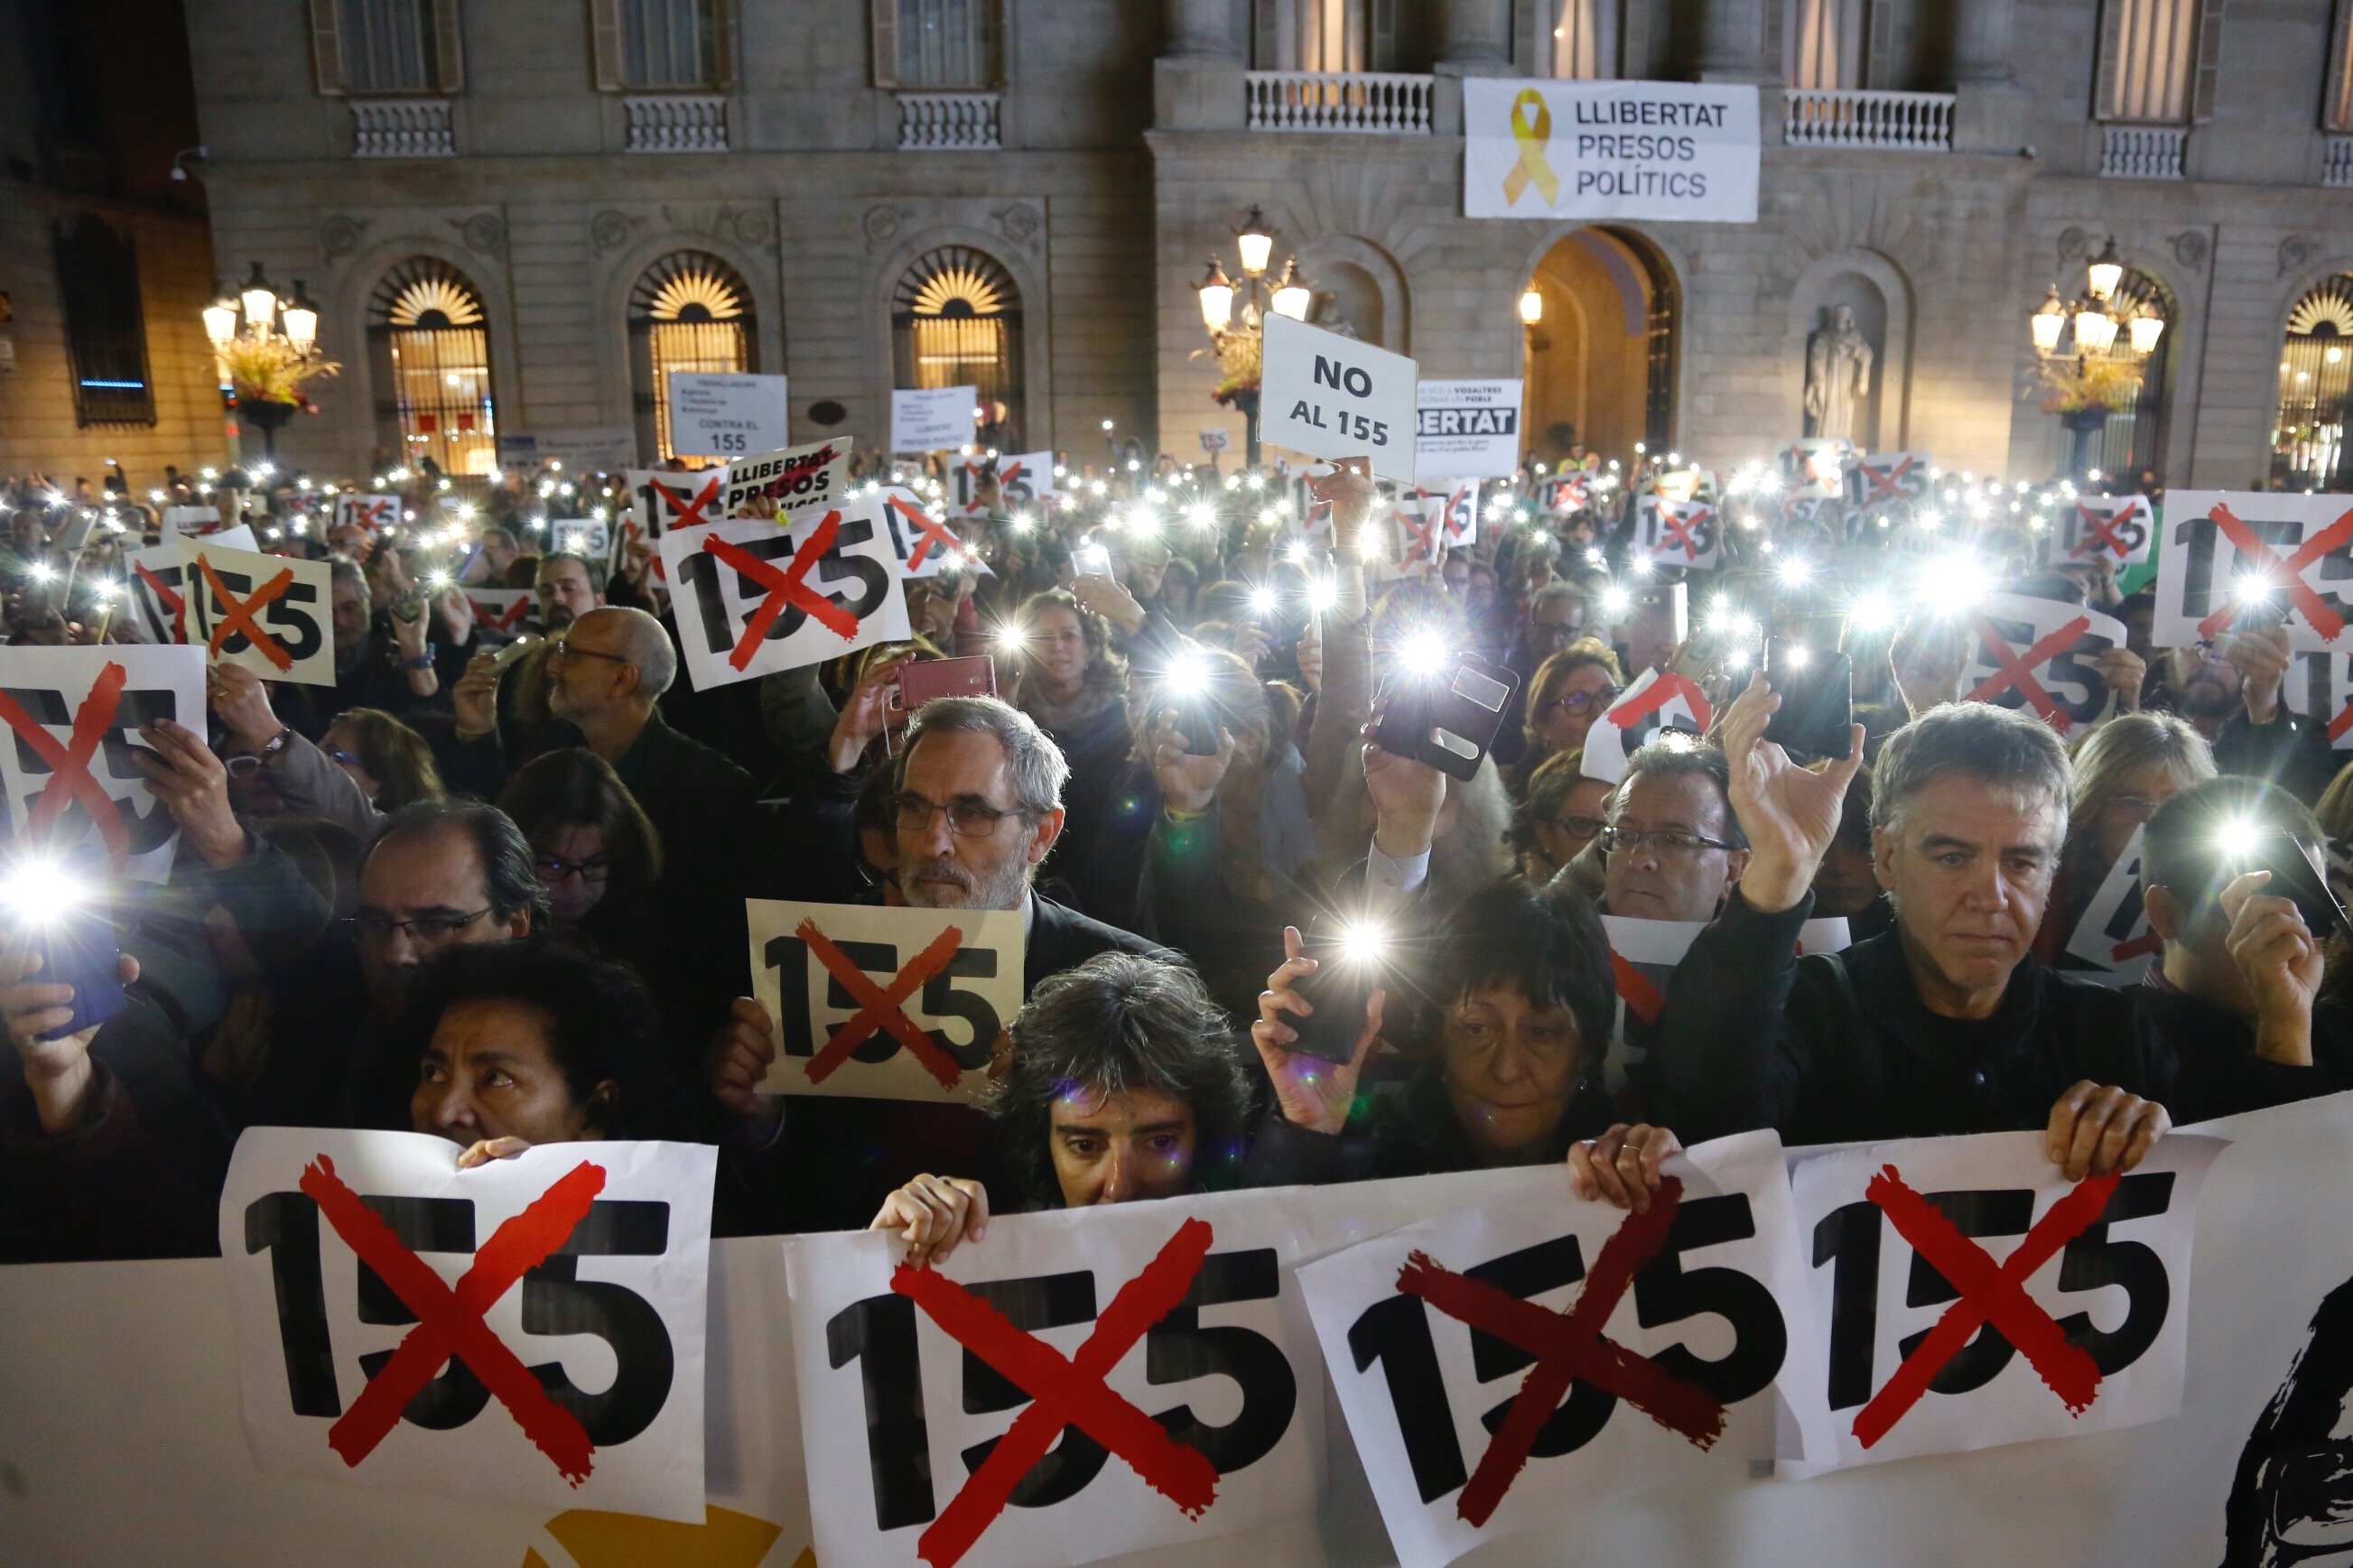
1601, 353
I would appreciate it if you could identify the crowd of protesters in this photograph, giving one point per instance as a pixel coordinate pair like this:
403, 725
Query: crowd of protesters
504, 900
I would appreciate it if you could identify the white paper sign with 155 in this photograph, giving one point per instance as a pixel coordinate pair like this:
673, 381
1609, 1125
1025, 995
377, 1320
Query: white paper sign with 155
1331, 396
756, 596
715, 416
270, 614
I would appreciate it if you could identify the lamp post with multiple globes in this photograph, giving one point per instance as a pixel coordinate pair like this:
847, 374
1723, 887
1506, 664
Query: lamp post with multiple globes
1239, 343
265, 348
2085, 381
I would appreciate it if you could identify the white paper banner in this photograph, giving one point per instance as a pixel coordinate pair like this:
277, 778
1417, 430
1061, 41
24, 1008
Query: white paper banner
726, 415
197, 520
1678, 151
1887, 480
158, 605
270, 614
1022, 480
583, 449
373, 512
663, 499
791, 480
502, 615
1657, 699
2123, 528
1467, 429
884, 1004
1331, 396
1815, 468
2037, 653
933, 420
2213, 541
2086, 1292
1458, 504
588, 537
2320, 687
73, 717
1452, 1345
924, 544
754, 597
1676, 533
1642, 958
2112, 936
531, 1329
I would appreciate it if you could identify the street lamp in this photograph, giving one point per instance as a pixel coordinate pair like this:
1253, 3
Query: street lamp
1237, 340
2092, 375
265, 348
1530, 306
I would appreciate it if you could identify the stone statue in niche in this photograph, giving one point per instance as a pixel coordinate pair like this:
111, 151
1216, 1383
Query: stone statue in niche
1839, 361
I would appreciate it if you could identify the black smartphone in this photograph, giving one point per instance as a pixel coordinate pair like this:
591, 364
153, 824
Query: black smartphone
2300, 875
1817, 689
1446, 717
63, 916
1350, 961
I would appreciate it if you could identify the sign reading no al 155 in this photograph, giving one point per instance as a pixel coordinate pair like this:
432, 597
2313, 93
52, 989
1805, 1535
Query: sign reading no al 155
1331, 396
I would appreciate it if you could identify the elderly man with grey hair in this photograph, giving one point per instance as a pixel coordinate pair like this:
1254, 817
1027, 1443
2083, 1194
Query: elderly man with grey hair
1943, 1025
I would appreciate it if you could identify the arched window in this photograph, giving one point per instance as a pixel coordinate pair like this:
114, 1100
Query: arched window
956, 320
690, 311
2315, 373
430, 346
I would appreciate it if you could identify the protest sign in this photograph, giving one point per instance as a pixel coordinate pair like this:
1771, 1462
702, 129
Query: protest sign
373, 512
1566, 492
2122, 528
337, 1242
752, 596
1680, 151
1659, 698
1127, 1376
67, 780
502, 615
884, 1004
934, 420
726, 415
1684, 1347
2113, 935
1676, 533
159, 608
924, 544
791, 480
1022, 480
1945, 1332
196, 521
2038, 654
1213, 442
663, 500
1642, 958
1421, 536
2218, 548
1466, 429
590, 538
1459, 506
1331, 396
583, 449
2320, 687
270, 614
1887, 480
1815, 467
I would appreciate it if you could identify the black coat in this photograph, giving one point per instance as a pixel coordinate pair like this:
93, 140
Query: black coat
1413, 1133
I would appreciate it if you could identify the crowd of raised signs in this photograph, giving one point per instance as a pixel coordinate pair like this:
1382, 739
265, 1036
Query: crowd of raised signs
1336, 830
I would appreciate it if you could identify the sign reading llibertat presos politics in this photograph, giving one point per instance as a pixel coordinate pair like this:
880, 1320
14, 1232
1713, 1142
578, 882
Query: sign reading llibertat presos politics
1466, 430
1668, 150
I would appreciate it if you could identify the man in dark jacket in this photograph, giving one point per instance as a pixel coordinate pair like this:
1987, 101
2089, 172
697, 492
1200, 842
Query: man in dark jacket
1944, 1025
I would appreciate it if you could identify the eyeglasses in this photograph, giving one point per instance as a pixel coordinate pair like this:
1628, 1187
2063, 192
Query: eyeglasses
242, 764
2137, 807
1577, 827
554, 868
375, 927
1670, 840
913, 814
1575, 702
566, 650
349, 759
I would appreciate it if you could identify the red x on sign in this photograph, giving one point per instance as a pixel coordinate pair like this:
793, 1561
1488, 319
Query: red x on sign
690, 512
236, 614
70, 775
1637, 990
167, 596
2016, 670
1669, 686
927, 532
1422, 535
1065, 1390
1679, 524
1884, 486
500, 620
786, 588
2146, 942
2102, 532
2324, 621
450, 1321
879, 1008
1989, 1293
2342, 722
1569, 1347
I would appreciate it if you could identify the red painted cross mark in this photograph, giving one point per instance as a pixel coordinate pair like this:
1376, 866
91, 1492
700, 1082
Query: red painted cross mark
1886, 486
879, 1008
1569, 1347
688, 513
2014, 669
1989, 1293
2103, 532
928, 532
2324, 621
1421, 536
1669, 686
2146, 942
789, 588
168, 598
1637, 990
1065, 1390
68, 764
236, 614
1679, 526
449, 1321
498, 620
2342, 722
1462, 510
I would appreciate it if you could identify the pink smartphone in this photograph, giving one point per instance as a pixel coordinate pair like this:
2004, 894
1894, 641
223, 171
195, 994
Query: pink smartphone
928, 680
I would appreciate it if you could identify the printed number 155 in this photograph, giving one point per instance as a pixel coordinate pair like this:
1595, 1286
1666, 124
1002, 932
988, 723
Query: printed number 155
1358, 427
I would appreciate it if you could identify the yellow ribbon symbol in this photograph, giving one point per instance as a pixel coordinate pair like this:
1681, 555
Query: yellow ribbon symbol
1534, 134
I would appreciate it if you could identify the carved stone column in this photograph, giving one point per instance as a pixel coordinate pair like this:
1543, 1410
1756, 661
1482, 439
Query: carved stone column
1474, 37
1200, 29
1732, 42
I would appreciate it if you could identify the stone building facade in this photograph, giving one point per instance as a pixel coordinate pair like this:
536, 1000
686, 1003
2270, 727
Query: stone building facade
1933, 164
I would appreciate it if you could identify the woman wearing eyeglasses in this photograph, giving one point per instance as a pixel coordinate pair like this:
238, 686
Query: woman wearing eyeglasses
589, 838
1571, 689
1563, 812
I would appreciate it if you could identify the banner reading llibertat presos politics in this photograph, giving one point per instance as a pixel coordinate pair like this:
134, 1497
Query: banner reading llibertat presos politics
1670, 150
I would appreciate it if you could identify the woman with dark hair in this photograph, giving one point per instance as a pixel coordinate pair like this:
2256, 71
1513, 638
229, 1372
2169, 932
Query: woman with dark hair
1511, 1011
1126, 1082
391, 763
1561, 815
589, 834
1072, 682
523, 1043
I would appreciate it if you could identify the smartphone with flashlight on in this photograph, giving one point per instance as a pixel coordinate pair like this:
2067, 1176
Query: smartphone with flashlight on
1448, 716
1091, 561
1817, 691
59, 906
2299, 874
1186, 695
1350, 964
1661, 618
516, 650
